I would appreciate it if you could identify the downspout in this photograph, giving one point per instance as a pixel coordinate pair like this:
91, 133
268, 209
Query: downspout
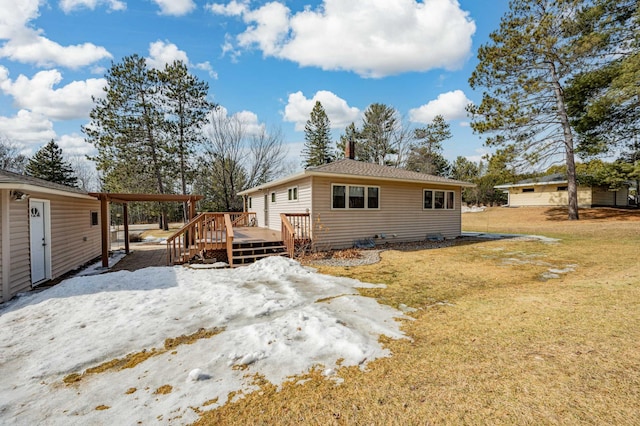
6, 245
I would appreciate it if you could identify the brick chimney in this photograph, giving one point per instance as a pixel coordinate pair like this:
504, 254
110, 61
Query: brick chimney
350, 149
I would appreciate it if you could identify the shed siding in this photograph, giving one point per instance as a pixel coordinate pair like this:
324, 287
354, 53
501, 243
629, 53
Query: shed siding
401, 216
547, 195
20, 276
603, 197
4, 198
70, 226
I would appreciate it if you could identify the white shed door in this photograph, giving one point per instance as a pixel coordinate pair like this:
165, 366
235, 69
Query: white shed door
37, 225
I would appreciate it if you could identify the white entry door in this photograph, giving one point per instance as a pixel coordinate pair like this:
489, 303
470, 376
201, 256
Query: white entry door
37, 227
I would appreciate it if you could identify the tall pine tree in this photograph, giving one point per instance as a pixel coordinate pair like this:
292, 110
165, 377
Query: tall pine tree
317, 135
426, 154
49, 164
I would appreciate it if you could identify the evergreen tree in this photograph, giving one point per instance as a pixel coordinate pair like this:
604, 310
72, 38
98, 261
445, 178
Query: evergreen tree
351, 135
604, 100
425, 155
185, 106
524, 68
317, 135
379, 134
49, 164
127, 128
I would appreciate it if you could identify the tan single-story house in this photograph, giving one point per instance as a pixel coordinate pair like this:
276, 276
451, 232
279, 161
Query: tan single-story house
47, 230
350, 201
552, 191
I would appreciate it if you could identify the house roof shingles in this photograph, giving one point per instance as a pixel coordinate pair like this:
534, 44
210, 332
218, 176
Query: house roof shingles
360, 169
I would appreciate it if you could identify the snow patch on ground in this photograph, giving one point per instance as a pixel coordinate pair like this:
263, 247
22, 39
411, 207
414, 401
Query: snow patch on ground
279, 319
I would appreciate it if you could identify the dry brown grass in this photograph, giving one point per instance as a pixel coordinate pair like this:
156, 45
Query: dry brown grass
506, 348
135, 358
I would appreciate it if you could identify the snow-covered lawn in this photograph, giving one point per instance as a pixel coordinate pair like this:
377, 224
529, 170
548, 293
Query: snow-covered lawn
279, 319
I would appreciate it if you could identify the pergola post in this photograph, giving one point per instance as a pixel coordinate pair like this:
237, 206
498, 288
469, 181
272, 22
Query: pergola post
125, 214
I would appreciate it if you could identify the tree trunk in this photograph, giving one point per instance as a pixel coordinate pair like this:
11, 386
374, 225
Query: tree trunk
572, 185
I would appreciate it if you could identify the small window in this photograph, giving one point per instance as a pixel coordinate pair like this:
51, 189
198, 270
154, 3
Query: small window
292, 193
273, 197
249, 202
562, 188
428, 199
372, 197
450, 198
356, 197
339, 196
528, 189
438, 200
94, 218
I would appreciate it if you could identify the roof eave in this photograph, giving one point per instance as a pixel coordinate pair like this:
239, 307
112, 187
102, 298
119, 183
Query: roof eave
306, 173
26, 188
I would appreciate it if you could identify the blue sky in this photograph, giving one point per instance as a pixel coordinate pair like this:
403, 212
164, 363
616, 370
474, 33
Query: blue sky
267, 61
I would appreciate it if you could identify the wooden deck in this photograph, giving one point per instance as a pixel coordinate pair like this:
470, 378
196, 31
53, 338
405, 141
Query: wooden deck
246, 234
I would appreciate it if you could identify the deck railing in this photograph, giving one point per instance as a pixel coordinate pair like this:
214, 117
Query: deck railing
207, 231
295, 229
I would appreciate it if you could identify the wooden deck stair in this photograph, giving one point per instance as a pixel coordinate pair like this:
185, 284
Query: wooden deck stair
245, 253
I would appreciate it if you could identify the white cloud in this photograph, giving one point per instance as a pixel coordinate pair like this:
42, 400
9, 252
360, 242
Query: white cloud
233, 8
39, 95
339, 112
75, 145
29, 129
268, 27
451, 105
175, 7
162, 53
373, 38
71, 5
250, 122
27, 45
206, 66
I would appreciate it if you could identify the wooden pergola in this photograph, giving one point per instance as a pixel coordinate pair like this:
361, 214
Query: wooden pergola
107, 197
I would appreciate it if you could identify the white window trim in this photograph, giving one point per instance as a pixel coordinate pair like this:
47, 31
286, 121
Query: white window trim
290, 190
274, 197
433, 199
346, 194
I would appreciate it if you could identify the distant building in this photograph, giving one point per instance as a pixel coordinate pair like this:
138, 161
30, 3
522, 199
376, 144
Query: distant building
552, 191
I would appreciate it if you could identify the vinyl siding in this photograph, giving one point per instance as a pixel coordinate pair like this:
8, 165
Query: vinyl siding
70, 226
4, 198
401, 216
547, 195
20, 275
603, 197
282, 204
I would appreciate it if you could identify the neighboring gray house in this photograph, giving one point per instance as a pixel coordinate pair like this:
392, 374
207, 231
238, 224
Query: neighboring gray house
349, 201
46, 230
552, 191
